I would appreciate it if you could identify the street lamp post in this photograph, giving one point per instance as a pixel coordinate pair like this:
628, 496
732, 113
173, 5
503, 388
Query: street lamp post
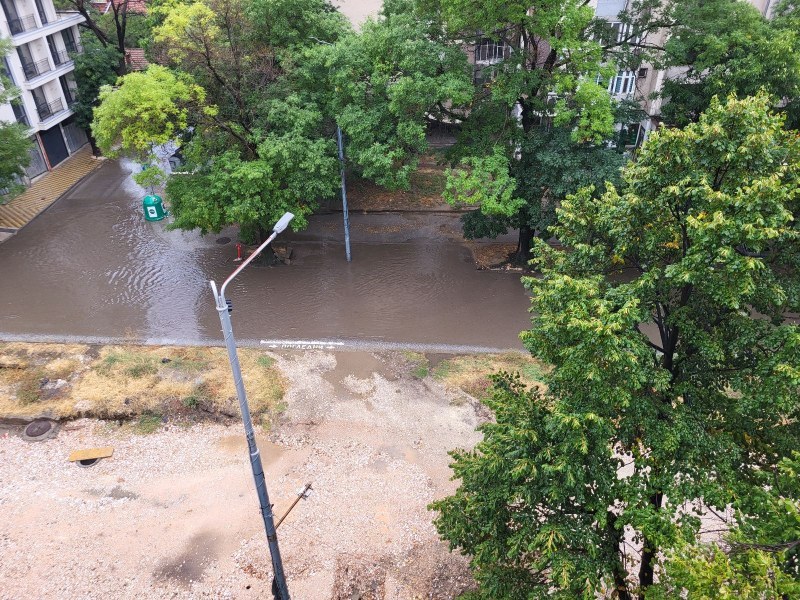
255, 457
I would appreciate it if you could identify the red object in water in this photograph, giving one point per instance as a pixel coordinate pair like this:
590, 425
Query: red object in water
238, 252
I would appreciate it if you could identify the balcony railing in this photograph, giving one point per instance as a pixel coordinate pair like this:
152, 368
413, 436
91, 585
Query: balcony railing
34, 69
21, 24
48, 110
60, 57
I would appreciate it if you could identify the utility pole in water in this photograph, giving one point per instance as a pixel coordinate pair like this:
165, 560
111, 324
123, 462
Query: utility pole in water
344, 193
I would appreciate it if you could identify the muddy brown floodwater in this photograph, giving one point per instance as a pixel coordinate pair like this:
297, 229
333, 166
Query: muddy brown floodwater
91, 267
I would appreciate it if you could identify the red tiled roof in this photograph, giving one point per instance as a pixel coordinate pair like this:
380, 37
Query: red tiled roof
134, 6
101, 6
134, 58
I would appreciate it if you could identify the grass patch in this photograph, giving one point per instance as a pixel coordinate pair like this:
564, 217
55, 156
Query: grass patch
130, 364
419, 366
148, 423
201, 394
29, 389
471, 373
265, 361
131, 381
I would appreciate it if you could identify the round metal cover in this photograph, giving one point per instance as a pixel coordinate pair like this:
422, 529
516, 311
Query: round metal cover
38, 428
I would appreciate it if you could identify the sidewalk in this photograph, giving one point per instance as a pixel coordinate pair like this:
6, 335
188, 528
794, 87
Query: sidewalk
44, 191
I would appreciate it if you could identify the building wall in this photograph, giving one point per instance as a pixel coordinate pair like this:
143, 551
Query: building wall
649, 84
41, 67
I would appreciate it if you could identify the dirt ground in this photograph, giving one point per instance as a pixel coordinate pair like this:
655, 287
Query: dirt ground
174, 513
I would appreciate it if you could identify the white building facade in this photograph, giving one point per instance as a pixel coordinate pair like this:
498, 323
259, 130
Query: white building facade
41, 66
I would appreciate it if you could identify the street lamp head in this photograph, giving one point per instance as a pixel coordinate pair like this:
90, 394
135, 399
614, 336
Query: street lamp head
283, 222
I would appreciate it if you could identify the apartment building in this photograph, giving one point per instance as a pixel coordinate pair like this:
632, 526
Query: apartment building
643, 83
41, 66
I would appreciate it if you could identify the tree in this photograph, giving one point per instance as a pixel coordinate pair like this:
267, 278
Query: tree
551, 165
15, 149
382, 86
15, 145
145, 110
110, 28
675, 389
728, 47
95, 67
758, 559
258, 150
540, 94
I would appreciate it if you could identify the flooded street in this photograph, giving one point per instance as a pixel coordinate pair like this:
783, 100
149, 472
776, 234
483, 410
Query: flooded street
92, 267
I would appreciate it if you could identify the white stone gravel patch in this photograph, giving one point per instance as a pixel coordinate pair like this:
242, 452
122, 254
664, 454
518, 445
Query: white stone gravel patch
174, 514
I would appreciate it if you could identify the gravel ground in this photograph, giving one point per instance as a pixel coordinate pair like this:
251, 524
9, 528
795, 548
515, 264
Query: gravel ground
174, 513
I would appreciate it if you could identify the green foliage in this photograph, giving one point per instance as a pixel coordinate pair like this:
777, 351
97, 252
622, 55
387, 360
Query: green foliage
29, 390
129, 364
148, 423
700, 411
729, 47
15, 149
290, 171
14, 143
540, 92
524, 192
94, 68
763, 549
150, 177
265, 361
382, 86
532, 507
260, 150
144, 110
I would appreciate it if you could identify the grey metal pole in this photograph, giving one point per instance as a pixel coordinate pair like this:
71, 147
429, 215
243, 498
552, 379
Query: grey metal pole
255, 455
344, 193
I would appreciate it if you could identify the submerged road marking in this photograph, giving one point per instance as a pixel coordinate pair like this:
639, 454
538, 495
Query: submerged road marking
301, 344
356, 345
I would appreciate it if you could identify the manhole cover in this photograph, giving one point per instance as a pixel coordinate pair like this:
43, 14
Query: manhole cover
87, 462
40, 429
223, 240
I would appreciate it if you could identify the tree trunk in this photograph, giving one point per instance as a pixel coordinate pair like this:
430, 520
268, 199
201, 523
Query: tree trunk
93, 144
268, 256
523, 253
620, 584
648, 552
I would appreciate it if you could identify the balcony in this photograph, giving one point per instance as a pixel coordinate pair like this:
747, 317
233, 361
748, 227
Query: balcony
73, 48
26, 30
48, 110
60, 57
34, 69
22, 24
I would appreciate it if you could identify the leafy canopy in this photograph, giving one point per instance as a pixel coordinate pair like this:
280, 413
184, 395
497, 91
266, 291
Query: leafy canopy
144, 110
675, 375
258, 150
382, 85
15, 145
724, 47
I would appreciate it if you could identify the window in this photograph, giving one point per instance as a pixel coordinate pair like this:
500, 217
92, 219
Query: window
623, 83
621, 32
489, 52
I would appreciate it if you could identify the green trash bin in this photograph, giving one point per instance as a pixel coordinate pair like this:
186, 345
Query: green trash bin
153, 208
